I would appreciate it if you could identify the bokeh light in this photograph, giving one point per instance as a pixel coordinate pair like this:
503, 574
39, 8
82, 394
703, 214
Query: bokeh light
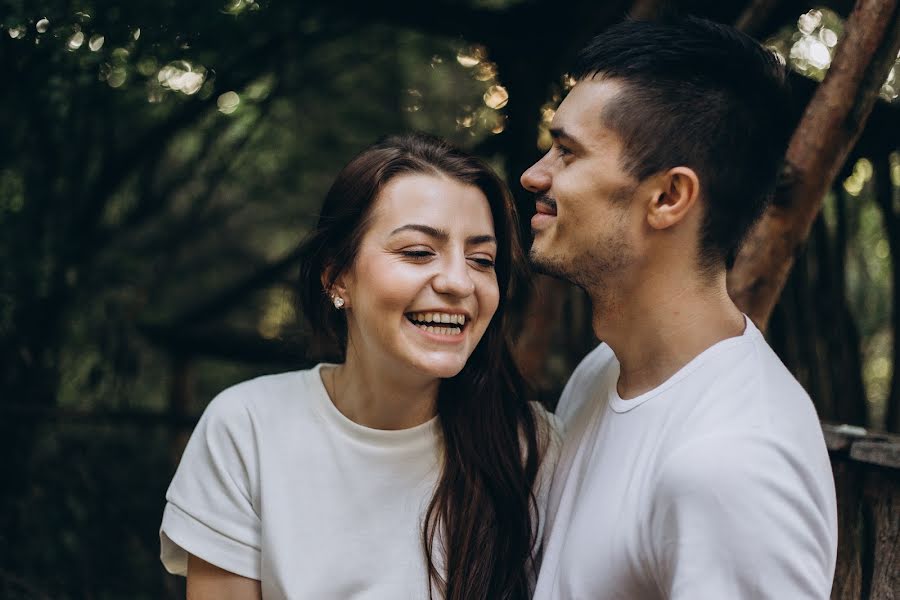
862, 173
808, 47
75, 41
496, 97
413, 100
182, 76
236, 7
228, 102
471, 56
117, 77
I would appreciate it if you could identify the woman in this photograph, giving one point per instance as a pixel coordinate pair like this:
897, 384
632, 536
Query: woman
409, 470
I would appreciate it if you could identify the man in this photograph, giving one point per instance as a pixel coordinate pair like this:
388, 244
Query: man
693, 465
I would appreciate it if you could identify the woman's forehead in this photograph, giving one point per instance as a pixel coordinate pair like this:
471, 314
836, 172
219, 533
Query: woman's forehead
433, 200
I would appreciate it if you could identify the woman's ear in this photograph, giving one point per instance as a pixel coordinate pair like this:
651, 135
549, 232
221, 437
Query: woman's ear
335, 287
677, 194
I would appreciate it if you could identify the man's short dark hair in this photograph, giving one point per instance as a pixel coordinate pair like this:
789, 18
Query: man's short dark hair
702, 95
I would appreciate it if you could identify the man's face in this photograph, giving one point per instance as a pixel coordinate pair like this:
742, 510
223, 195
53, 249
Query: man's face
586, 224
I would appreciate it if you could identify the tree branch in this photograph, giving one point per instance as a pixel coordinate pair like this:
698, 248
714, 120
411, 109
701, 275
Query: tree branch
153, 141
755, 16
832, 123
72, 416
243, 347
450, 19
233, 295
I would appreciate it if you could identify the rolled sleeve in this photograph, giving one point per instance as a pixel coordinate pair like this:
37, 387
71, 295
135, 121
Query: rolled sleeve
211, 503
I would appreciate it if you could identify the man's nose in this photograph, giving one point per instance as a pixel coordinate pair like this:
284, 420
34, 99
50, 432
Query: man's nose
536, 178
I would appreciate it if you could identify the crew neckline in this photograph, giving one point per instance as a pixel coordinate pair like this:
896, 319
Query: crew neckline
620, 405
426, 431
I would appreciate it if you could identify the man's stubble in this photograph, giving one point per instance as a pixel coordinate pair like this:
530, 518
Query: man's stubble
598, 266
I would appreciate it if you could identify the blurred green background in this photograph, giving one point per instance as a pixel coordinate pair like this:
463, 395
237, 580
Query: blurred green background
162, 160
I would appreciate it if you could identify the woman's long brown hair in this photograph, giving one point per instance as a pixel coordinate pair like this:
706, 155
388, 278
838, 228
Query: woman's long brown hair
480, 525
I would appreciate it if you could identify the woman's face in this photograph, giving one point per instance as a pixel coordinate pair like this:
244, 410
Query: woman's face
422, 289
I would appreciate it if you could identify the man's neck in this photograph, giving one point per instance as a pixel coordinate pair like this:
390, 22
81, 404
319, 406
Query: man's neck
662, 327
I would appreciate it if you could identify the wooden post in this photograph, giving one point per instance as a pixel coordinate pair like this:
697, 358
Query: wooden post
867, 478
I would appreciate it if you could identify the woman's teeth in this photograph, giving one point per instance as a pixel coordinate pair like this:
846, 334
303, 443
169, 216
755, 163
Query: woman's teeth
439, 323
437, 318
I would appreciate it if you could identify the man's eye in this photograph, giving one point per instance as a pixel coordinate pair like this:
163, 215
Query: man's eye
417, 253
563, 151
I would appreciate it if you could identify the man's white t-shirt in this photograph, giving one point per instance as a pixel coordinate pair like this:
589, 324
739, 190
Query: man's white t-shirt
277, 485
715, 485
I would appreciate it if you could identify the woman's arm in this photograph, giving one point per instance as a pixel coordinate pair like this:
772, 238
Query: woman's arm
209, 582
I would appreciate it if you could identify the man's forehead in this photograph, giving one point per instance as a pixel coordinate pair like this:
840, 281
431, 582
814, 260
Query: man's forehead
580, 114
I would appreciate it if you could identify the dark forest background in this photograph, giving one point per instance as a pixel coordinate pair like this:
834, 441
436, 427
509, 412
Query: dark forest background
160, 162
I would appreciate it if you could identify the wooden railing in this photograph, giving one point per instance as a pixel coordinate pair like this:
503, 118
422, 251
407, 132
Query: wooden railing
867, 477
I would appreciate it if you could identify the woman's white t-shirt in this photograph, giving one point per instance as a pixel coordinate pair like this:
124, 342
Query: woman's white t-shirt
277, 485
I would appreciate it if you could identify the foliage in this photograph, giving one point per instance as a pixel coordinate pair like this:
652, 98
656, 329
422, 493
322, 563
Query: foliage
162, 161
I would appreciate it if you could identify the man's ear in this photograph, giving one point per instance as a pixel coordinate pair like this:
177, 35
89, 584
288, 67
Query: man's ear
677, 192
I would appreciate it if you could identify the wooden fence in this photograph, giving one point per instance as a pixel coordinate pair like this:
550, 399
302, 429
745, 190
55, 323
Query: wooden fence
867, 476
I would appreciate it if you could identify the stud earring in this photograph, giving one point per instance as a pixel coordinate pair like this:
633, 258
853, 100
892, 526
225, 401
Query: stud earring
338, 302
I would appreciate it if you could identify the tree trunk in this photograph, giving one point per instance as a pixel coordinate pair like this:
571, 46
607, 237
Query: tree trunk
542, 322
840, 358
884, 191
827, 132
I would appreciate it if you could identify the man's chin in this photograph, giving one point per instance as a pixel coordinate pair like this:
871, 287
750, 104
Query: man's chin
547, 265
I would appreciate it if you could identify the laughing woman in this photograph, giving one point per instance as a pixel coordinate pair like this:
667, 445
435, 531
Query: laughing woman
413, 469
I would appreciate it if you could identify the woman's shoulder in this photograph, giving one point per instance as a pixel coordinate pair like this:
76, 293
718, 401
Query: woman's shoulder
549, 430
550, 439
264, 395
545, 419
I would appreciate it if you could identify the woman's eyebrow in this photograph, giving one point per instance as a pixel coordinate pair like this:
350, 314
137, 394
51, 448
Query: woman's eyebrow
481, 239
426, 229
442, 235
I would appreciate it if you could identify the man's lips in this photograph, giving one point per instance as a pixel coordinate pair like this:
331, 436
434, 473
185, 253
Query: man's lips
545, 207
545, 215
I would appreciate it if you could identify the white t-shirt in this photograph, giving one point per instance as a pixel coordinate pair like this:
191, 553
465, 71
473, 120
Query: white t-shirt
277, 485
715, 485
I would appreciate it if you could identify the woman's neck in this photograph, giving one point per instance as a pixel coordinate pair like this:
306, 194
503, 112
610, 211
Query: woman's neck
380, 398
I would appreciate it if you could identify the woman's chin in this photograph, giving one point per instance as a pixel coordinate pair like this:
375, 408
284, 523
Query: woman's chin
441, 369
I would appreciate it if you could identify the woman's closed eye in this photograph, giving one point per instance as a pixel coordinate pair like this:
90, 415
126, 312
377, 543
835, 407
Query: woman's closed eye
482, 261
417, 254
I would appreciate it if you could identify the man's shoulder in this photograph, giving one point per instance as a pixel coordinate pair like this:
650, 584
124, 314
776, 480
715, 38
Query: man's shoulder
746, 389
754, 465
723, 460
583, 383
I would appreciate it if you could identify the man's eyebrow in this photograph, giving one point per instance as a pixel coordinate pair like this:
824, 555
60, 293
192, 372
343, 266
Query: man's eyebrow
442, 235
559, 133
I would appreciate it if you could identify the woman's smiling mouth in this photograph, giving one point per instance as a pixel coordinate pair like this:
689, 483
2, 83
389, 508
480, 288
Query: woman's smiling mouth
438, 323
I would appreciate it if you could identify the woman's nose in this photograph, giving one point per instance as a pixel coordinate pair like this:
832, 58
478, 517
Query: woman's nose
454, 278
